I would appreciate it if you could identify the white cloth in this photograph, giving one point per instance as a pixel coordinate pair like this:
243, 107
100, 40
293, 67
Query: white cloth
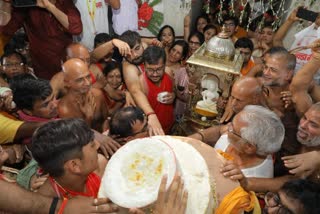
263, 170
91, 28
126, 17
303, 38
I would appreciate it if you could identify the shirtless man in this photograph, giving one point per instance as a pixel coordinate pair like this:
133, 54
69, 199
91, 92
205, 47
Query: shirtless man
132, 70
76, 50
81, 100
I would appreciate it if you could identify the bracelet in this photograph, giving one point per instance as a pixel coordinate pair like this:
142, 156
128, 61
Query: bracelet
53, 205
150, 113
202, 135
63, 205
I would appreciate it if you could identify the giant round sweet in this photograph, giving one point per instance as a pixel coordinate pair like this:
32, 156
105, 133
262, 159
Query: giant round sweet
133, 174
195, 174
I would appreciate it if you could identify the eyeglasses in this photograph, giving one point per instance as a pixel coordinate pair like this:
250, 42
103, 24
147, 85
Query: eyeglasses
10, 65
194, 43
156, 70
229, 24
273, 200
231, 130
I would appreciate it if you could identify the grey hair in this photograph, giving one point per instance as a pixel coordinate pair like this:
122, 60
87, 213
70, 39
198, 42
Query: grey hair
282, 52
265, 129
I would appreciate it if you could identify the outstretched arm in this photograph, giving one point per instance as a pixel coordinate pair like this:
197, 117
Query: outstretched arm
133, 83
282, 31
303, 90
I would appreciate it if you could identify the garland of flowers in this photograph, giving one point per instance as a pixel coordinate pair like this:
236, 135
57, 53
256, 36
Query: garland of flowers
149, 18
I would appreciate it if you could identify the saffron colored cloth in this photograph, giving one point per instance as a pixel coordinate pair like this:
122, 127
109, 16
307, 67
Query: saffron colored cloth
164, 112
237, 201
48, 38
247, 68
92, 188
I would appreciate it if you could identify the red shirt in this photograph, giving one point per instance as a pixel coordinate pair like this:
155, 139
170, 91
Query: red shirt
48, 38
92, 187
164, 112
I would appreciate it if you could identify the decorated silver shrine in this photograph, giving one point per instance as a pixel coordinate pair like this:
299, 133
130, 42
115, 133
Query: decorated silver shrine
213, 68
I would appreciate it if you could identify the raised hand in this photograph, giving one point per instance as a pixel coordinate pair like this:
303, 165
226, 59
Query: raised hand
44, 3
123, 47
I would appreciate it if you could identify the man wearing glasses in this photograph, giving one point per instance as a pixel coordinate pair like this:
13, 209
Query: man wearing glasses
157, 84
252, 137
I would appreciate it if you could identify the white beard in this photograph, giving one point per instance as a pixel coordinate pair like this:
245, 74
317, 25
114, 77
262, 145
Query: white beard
310, 143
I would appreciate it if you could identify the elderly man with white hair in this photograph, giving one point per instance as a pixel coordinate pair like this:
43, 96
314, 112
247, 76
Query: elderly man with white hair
252, 137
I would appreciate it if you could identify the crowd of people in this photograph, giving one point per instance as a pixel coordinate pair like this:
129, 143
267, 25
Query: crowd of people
72, 93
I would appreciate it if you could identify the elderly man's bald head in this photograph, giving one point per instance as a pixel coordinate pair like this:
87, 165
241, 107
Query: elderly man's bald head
246, 91
76, 75
77, 50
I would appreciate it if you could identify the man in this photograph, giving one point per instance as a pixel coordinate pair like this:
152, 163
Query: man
157, 84
245, 91
245, 46
72, 165
34, 99
132, 72
74, 50
231, 25
94, 17
49, 28
128, 123
81, 100
308, 135
254, 134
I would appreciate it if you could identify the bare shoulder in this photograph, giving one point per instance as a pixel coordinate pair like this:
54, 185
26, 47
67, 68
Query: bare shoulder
169, 72
64, 108
57, 78
97, 92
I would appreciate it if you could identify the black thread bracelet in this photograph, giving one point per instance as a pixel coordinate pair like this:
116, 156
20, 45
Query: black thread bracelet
53, 205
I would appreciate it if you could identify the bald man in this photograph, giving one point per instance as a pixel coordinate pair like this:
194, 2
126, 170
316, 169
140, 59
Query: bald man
245, 91
75, 50
81, 100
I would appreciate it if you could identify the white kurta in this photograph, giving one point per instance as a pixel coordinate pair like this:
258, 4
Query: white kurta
92, 27
126, 17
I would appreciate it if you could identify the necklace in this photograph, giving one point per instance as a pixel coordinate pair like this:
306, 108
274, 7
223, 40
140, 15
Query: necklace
92, 12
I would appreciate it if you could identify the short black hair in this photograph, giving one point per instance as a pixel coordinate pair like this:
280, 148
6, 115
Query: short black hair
210, 26
111, 66
305, 192
27, 90
101, 38
185, 48
59, 141
199, 35
228, 17
244, 42
123, 119
163, 28
153, 54
130, 37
